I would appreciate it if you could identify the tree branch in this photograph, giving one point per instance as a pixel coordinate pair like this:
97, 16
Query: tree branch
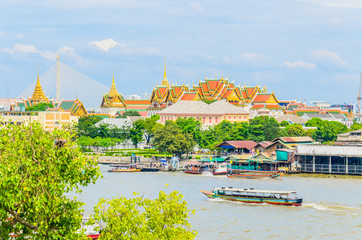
20, 220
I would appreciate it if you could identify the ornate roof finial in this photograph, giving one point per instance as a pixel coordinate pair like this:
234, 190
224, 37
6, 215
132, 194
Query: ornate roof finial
165, 81
38, 94
113, 92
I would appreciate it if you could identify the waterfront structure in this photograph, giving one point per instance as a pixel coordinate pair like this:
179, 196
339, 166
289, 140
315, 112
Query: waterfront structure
49, 119
345, 159
237, 147
353, 137
207, 114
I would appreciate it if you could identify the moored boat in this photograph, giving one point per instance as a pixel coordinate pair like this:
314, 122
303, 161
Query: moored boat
124, 168
221, 169
288, 198
254, 174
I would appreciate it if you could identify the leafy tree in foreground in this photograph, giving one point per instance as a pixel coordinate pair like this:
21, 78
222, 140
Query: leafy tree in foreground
327, 131
37, 170
165, 217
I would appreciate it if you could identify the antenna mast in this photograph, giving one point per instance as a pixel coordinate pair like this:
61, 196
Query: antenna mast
359, 95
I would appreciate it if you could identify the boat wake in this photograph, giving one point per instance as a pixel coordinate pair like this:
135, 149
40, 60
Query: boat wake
326, 207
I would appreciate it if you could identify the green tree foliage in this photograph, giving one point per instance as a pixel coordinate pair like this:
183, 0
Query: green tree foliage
136, 133
209, 101
148, 126
327, 131
37, 170
190, 125
85, 126
129, 113
314, 122
295, 130
40, 107
165, 217
169, 138
264, 128
284, 123
355, 126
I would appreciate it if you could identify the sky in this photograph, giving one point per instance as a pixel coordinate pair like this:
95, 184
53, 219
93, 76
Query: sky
299, 49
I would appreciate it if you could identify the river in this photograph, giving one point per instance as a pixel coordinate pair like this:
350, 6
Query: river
332, 207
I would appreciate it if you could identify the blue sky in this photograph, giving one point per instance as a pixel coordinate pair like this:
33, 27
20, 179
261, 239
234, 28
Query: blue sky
298, 49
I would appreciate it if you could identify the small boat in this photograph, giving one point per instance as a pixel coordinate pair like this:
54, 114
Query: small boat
193, 168
124, 168
221, 169
253, 174
288, 198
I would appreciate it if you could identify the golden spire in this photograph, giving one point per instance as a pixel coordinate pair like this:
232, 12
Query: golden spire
38, 95
113, 92
165, 81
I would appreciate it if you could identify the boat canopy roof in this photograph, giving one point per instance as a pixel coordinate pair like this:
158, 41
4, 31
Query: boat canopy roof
246, 190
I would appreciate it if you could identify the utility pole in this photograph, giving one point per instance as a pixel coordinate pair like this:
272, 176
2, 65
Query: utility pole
359, 94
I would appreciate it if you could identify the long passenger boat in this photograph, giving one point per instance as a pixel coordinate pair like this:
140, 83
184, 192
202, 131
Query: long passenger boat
124, 168
288, 198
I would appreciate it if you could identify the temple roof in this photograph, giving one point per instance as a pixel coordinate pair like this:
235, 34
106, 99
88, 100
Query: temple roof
38, 95
113, 92
165, 81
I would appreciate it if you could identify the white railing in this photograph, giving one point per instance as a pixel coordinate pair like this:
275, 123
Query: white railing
325, 168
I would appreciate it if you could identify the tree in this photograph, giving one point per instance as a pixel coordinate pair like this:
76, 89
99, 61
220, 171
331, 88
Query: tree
136, 133
129, 113
327, 131
190, 125
165, 217
40, 107
314, 122
264, 128
284, 123
169, 138
37, 171
85, 126
148, 125
295, 130
355, 126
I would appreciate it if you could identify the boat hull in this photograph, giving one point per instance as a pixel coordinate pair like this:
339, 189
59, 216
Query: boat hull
125, 170
192, 172
220, 173
285, 202
254, 176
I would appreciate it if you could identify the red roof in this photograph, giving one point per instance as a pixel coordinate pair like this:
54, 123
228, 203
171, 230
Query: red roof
257, 106
137, 102
262, 97
188, 96
239, 144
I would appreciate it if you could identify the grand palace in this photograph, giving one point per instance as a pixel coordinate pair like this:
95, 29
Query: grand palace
214, 100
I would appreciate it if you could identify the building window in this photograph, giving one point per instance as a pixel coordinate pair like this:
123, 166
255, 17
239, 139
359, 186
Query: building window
216, 119
203, 119
209, 119
234, 117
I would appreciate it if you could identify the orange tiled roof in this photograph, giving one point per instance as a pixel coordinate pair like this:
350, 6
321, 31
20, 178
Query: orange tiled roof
261, 98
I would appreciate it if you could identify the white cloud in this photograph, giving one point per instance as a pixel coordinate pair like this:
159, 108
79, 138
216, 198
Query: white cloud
26, 48
336, 3
299, 65
196, 7
106, 44
325, 55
